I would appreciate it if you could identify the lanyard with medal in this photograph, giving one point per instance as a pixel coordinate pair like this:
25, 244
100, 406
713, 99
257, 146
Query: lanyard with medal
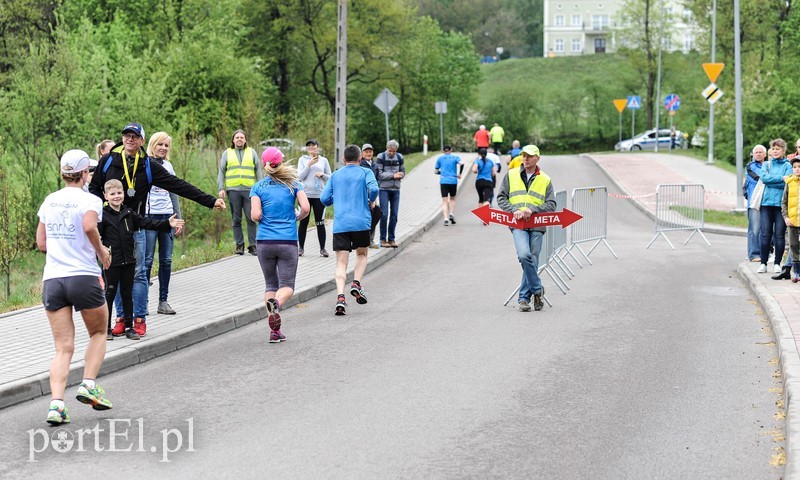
131, 179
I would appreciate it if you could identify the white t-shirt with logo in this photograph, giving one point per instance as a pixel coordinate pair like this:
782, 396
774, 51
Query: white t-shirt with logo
69, 252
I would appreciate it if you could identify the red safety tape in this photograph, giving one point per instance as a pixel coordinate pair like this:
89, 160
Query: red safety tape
617, 195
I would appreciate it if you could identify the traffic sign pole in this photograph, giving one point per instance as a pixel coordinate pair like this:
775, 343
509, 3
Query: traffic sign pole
712, 71
386, 115
620, 104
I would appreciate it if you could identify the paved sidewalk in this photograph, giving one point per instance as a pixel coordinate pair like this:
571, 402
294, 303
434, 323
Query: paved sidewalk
638, 176
210, 299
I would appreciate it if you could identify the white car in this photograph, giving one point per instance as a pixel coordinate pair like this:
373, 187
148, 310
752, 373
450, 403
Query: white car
699, 137
647, 141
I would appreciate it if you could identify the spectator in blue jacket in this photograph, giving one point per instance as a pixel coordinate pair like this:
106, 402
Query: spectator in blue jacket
771, 219
753, 172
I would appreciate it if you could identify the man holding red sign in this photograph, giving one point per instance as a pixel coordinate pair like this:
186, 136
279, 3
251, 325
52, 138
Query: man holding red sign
525, 191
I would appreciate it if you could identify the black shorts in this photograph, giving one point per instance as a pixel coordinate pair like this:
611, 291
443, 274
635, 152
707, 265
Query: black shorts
81, 292
448, 189
349, 241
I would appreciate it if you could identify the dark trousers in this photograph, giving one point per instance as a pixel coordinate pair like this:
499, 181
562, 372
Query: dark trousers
319, 218
120, 278
772, 222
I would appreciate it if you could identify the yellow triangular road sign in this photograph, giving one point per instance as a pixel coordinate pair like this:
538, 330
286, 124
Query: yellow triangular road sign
620, 103
713, 70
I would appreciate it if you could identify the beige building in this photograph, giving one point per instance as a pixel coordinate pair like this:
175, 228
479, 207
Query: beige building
581, 27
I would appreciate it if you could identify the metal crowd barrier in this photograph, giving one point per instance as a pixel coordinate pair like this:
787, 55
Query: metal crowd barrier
592, 204
680, 207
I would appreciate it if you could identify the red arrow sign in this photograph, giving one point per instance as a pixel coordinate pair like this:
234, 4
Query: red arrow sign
564, 218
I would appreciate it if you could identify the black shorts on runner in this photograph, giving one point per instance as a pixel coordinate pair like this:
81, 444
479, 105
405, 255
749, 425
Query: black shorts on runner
448, 189
81, 292
350, 240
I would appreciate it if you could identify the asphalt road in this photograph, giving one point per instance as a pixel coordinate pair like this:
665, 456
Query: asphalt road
655, 365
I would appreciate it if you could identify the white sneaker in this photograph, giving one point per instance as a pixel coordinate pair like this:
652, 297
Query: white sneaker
762, 269
777, 268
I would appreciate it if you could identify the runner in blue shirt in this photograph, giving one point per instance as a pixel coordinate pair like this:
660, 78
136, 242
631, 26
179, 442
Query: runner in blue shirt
272, 205
450, 167
484, 168
352, 190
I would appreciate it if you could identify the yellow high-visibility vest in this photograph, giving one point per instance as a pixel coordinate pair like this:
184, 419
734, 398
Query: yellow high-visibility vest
240, 174
533, 196
793, 209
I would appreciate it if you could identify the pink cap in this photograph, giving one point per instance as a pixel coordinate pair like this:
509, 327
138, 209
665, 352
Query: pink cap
272, 156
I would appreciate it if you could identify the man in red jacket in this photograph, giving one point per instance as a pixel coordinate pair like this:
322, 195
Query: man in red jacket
481, 138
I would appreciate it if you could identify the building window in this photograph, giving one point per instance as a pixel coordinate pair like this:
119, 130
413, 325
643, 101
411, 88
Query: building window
576, 44
559, 45
599, 22
599, 45
688, 42
576, 20
559, 20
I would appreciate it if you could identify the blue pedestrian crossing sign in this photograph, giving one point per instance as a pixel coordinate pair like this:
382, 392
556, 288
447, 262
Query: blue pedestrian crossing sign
672, 102
634, 102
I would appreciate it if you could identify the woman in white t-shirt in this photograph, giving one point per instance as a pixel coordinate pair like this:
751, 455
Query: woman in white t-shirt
161, 204
67, 233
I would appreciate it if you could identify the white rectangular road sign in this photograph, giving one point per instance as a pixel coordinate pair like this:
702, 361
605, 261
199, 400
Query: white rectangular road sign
711, 93
440, 107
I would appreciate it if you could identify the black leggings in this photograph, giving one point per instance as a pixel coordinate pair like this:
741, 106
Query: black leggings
120, 277
485, 190
319, 218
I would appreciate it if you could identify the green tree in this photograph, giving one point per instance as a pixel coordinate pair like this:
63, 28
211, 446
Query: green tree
645, 24
15, 237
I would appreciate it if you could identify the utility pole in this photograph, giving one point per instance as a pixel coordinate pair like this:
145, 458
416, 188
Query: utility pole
737, 54
658, 81
341, 84
713, 60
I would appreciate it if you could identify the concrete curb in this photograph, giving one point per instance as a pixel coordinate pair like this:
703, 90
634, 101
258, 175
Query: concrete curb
790, 368
708, 228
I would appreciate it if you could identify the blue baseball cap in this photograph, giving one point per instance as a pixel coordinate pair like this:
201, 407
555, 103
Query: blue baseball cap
135, 128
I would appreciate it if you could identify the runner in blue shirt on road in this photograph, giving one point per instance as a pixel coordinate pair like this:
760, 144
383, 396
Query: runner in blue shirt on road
272, 206
484, 168
450, 167
352, 190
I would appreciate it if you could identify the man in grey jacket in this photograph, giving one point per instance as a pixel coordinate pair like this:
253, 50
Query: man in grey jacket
390, 170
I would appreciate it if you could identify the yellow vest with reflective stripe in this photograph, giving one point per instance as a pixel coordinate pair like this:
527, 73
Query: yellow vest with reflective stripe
518, 195
240, 174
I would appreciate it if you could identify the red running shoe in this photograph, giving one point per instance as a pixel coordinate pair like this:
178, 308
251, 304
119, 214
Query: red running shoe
139, 326
119, 327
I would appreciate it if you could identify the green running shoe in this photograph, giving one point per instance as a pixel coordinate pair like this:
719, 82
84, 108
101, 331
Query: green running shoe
94, 397
57, 416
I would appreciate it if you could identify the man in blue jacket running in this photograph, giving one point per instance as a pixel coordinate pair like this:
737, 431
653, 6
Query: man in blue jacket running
353, 190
